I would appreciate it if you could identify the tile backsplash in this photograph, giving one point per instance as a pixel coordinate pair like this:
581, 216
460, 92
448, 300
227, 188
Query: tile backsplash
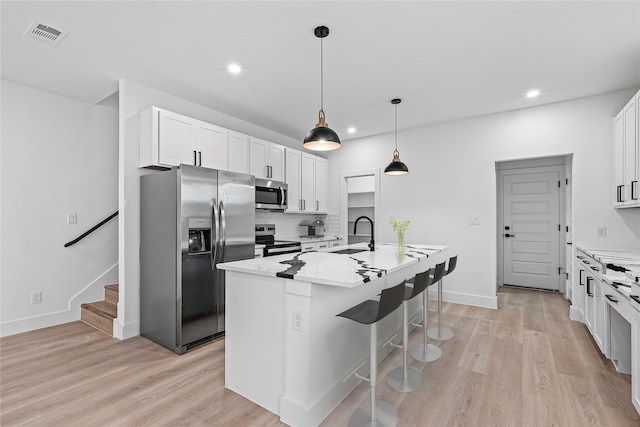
287, 224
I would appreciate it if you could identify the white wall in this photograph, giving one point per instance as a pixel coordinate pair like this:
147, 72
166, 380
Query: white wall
58, 155
452, 175
135, 97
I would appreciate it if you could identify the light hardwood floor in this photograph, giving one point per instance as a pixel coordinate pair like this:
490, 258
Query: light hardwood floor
525, 364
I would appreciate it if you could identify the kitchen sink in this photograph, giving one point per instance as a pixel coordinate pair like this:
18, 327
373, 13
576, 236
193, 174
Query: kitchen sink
349, 251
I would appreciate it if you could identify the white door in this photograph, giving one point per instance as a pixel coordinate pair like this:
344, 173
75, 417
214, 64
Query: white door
531, 231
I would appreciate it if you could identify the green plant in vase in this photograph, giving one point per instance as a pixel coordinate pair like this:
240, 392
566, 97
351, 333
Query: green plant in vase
400, 226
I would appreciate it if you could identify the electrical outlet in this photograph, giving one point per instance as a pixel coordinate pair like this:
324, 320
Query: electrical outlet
36, 297
297, 321
602, 231
72, 218
474, 220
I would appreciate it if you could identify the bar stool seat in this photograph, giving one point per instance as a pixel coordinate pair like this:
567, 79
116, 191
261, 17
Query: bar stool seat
441, 333
426, 352
377, 412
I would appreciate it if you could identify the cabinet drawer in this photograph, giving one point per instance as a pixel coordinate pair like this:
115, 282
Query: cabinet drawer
617, 301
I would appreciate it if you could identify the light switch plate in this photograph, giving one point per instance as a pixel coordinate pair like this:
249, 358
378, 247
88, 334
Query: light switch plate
72, 218
602, 231
474, 220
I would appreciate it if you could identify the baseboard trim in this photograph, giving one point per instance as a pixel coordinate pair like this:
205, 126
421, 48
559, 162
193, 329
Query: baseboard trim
94, 291
466, 299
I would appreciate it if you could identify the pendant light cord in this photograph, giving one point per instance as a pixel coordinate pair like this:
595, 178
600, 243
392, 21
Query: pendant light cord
396, 127
321, 77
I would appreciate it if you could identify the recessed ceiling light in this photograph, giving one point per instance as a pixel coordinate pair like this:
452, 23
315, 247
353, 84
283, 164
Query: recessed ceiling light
351, 130
234, 68
533, 93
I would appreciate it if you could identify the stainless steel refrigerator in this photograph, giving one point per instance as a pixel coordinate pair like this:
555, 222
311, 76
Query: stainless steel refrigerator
191, 219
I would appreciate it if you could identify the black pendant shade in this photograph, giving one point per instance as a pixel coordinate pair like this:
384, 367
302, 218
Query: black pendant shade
322, 137
396, 167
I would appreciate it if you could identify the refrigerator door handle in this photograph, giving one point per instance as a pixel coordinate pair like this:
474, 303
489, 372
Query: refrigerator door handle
223, 231
215, 229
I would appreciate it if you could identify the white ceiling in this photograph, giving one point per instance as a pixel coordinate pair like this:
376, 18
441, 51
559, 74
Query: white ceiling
446, 60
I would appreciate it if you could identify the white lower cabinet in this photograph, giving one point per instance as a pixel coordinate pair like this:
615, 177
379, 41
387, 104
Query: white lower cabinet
635, 358
316, 246
600, 325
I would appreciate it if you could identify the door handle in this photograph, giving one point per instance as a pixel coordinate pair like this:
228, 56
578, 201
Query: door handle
223, 231
317, 205
509, 235
195, 158
200, 156
611, 298
634, 190
214, 228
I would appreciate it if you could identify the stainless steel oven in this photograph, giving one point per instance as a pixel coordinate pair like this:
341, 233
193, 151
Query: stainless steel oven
271, 195
265, 235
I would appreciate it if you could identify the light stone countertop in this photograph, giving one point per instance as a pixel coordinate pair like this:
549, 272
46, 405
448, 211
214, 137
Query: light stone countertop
334, 269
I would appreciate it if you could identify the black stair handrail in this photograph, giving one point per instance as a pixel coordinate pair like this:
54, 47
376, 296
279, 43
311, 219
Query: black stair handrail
94, 228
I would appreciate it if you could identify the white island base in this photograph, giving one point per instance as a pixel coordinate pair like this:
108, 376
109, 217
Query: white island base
286, 350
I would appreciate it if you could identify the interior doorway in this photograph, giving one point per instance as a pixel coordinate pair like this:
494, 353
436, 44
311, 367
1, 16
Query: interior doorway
359, 196
532, 222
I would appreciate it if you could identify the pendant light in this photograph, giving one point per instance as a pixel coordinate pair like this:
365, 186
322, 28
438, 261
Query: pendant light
321, 138
396, 167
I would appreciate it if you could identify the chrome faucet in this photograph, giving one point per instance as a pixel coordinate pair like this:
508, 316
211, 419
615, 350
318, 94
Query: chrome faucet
372, 243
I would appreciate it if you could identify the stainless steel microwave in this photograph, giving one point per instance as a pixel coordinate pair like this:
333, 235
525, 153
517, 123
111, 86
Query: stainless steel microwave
271, 195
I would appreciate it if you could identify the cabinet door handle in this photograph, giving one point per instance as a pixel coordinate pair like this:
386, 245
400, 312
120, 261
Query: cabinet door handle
195, 158
266, 174
581, 276
611, 298
509, 235
634, 190
589, 279
636, 298
270, 171
200, 156
304, 205
317, 205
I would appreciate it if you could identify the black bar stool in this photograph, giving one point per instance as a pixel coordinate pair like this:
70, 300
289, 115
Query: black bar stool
378, 412
427, 352
405, 378
439, 333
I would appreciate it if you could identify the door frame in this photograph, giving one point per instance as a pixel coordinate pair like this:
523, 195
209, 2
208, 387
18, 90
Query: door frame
533, 165
344, 197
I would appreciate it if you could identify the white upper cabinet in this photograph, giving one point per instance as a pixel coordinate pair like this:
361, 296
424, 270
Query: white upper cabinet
266, 160
308, 183
293, 162
626, 155
306, 176
321, 185
238, 152
212, 146
169, 139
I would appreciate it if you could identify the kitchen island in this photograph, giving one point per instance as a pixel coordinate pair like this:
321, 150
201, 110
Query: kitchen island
285, 349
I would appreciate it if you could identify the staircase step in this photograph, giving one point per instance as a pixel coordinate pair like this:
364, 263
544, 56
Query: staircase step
111, 293
100, 315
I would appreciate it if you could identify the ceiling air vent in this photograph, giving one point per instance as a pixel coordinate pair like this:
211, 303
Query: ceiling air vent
45, 34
